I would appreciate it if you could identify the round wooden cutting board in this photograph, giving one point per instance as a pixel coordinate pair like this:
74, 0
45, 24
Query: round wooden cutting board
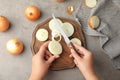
64, 62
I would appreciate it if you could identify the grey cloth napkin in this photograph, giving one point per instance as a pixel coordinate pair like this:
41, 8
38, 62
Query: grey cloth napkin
109, 29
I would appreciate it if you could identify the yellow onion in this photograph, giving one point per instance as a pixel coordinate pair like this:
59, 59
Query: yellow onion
4, 24
60, 0
14, 46
32, 13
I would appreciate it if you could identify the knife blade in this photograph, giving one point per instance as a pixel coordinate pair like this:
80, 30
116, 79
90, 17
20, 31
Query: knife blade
67, 40
61, 30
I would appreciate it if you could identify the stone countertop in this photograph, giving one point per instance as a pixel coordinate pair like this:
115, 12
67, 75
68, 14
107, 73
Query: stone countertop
19, 67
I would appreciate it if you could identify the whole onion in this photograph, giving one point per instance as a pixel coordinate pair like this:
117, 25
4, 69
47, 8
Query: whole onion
4, 24
14, 46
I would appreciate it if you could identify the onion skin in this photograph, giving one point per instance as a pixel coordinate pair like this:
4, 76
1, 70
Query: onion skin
4, 24
93, 21
32, 13
60, 0
14, 46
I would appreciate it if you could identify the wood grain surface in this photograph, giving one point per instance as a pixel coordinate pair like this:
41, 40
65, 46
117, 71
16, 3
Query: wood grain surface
64, 62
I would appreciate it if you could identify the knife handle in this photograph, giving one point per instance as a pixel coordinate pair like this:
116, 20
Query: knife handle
76, 50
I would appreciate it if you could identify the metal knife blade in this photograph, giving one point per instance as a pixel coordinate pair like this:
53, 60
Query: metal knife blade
70, 44
61, 30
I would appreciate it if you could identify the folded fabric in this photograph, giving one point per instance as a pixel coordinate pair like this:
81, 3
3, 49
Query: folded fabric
112, 47
109, 29
116, 62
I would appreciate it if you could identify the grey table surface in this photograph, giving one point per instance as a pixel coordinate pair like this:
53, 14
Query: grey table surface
19, 67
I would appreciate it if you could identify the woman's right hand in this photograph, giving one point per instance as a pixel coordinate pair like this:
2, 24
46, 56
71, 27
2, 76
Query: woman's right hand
84, 61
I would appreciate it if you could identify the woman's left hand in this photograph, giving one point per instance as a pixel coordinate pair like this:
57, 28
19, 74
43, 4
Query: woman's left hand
41, 62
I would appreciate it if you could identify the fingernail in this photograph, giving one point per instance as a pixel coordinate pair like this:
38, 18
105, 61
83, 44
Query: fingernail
57, 56
70, 47
69, 56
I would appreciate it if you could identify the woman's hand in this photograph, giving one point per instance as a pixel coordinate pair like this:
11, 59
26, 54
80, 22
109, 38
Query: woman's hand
84, 61
41, 62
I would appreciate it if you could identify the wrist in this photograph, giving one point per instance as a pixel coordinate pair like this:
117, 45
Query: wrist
91, 76
35, 77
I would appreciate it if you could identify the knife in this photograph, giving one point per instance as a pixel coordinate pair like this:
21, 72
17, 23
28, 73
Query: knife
67, 40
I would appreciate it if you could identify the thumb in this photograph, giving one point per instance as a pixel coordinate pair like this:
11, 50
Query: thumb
51, 59
75, 61
75, 55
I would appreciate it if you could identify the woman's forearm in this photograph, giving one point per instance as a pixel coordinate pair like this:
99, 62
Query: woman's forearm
33, 77
91, 76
